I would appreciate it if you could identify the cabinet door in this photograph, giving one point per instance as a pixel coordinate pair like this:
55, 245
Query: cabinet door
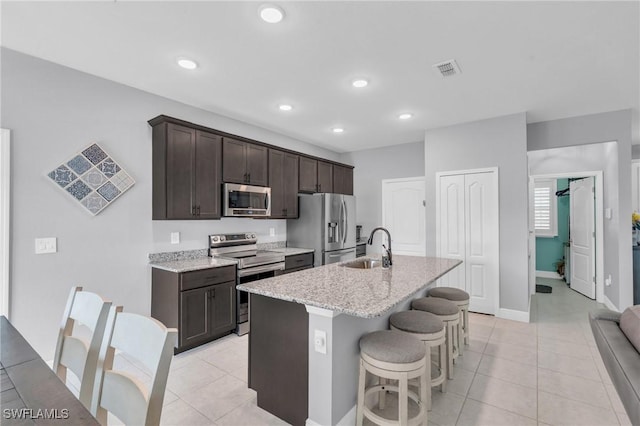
207, 175
223, 313
290, 185
234, 161
257, 161
276, 182
342, 180
195, 323
325, 177
180, 178
308, 174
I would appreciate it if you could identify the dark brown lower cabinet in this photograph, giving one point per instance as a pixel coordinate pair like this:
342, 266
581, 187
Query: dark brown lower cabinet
200, 304
297, 262
279, 357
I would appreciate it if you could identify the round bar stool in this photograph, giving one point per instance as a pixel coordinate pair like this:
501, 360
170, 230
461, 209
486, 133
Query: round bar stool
449, 313
460, 298
392, 355
429, 329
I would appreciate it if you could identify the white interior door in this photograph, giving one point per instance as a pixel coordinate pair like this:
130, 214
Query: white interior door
635, 185
532, 238
467, 226
481, 220
403, 215
450, 228
582, 230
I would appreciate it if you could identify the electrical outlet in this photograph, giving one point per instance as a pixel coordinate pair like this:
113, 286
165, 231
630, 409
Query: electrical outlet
607, 281
175, 238
272, 232
320, 341
46, 245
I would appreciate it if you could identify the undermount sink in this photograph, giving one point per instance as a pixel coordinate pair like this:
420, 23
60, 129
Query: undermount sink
363, 264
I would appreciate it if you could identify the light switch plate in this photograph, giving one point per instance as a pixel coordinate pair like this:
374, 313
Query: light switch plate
175, 238
272, 232
46, 245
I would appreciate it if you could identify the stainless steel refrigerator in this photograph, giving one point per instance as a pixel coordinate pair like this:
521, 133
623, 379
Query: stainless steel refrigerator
327, 224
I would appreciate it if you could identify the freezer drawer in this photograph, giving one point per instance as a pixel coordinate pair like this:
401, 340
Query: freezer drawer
338, 256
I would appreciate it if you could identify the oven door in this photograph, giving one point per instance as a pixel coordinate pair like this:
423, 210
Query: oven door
247, 200
245, 276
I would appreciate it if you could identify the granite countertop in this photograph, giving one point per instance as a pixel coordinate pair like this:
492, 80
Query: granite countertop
364, 293
187, 265
292, 251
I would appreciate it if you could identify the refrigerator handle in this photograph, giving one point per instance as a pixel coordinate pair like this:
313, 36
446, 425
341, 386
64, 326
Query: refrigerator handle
344, 222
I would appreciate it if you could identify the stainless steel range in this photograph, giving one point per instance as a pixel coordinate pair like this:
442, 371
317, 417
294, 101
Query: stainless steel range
253, 265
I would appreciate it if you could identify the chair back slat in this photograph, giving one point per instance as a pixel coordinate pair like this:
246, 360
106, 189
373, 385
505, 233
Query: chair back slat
139, 337
74, 355
86, 308
125, 397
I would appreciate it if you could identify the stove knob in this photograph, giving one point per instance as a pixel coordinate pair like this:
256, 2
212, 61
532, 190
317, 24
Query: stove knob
223, 238
253, 236
214, 239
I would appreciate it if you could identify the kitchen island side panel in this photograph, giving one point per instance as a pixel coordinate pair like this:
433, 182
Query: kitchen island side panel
279, 357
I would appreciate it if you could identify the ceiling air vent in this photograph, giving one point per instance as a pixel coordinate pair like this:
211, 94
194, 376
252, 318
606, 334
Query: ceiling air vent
447, 68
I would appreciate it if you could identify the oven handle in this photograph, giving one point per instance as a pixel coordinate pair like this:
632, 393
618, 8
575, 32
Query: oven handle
260, 269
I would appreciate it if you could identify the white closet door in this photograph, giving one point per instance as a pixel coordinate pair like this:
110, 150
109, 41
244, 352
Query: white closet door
403, 215
481, 223
451, 229
467, 227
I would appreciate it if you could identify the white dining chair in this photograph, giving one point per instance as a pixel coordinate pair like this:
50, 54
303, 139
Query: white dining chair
120, 393
77, 352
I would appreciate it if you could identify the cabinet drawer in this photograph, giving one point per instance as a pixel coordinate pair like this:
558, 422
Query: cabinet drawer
196, 279
297, 261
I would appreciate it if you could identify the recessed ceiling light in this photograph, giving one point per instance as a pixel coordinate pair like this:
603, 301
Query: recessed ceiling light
360, 82
405, 116
285, 107
337, 130
271, 13
187, 64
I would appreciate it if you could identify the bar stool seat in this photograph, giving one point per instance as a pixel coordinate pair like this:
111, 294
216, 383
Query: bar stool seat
392, 355
449, 313
429, 329
460, 298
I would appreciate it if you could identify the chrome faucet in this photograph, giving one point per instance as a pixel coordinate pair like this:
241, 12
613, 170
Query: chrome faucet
386, 260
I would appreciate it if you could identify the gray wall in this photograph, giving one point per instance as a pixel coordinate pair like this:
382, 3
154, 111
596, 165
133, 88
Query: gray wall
499, 142
371, 167
54, 112
588, 129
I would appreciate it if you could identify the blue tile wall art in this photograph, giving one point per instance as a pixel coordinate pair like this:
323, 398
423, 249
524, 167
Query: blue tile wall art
93, 178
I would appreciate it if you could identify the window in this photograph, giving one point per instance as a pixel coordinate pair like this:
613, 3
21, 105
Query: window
545, 208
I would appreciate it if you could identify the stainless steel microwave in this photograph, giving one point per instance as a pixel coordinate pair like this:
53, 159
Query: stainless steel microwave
246, 200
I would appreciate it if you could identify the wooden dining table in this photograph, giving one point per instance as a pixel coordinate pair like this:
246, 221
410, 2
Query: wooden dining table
31, 393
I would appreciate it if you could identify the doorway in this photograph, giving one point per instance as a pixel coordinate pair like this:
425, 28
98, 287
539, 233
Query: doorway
579, 258
4, 220
403, 214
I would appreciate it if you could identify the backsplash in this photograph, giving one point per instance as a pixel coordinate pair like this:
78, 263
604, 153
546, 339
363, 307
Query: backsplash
172, 256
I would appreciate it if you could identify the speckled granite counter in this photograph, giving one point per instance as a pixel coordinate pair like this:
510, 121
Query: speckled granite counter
365, 293
292, 251
187, 265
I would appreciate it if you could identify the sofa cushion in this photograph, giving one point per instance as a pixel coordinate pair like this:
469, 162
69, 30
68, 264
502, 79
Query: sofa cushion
630, 325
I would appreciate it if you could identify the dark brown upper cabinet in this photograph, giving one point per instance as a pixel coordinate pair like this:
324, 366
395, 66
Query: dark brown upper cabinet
283, 180
315, 175
186, 172
342, 180
244, 162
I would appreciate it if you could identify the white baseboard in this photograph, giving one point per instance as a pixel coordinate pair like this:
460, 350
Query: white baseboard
548, 274
349, 418
609, 304
511, 314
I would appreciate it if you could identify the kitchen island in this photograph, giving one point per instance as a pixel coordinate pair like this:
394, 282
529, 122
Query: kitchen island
305, 328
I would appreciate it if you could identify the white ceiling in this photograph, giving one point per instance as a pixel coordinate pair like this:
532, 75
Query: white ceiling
550, 59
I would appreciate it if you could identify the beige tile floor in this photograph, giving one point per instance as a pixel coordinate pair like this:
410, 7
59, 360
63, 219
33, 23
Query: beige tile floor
547, 372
